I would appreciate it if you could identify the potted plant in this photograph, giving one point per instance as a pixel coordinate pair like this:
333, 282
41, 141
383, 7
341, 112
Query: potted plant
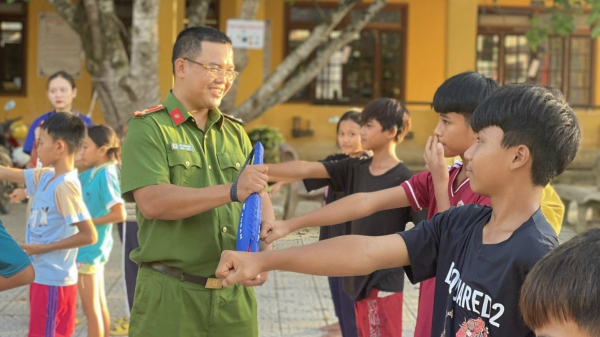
271, 139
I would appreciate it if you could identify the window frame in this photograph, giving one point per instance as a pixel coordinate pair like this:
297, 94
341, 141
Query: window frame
402, 28
503, 31
23, 18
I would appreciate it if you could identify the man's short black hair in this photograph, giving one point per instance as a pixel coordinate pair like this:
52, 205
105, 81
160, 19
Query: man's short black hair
389, 113
564, 286
68, 128
462, 93
189, 42
537, 117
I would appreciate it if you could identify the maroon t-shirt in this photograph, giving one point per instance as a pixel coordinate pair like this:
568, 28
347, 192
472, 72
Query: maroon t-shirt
420, 192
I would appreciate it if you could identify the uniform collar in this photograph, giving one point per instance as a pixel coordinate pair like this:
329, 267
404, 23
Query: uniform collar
179, 113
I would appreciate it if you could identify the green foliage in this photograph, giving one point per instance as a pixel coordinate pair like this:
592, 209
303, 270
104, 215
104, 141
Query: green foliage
562, 20
270, 138
537, 34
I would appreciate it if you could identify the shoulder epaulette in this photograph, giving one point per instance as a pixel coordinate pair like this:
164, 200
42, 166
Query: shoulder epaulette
234, 119
148, 111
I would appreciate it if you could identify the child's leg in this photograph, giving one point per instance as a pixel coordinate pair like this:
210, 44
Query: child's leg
347, 312
380, 314
425, 308
90, 300
130, 242
103, 305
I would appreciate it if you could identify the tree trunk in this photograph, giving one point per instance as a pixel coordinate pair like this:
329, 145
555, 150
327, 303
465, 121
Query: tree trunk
240, 56
122, 87
263, 98
198, 13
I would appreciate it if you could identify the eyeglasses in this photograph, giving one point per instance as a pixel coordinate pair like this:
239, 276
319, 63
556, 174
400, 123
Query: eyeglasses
215, 73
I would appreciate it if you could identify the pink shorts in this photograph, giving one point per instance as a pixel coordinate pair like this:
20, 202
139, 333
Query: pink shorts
52, 310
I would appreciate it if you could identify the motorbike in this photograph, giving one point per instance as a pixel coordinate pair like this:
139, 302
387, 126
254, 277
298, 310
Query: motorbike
9, 147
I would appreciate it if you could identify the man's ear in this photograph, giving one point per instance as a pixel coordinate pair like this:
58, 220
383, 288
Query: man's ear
521, 157
180, 67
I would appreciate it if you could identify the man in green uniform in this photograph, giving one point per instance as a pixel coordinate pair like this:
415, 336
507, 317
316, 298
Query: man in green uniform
180, 160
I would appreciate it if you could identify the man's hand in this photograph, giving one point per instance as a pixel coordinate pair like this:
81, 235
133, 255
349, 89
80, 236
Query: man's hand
252, 180
18, 195
434, 160
33, 248
271, 230
238, 267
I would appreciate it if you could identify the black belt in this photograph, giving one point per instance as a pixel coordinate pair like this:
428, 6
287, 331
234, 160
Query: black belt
174, 272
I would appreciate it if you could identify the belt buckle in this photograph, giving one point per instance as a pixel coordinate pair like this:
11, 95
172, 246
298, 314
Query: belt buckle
213, 283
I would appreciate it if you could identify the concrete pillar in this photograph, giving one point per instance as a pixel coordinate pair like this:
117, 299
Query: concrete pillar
461, 35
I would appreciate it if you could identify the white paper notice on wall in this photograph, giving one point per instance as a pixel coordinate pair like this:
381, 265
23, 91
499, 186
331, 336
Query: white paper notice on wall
59, 47
246, 34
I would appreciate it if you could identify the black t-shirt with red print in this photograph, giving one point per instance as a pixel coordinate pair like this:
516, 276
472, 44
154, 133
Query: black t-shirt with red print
477, 286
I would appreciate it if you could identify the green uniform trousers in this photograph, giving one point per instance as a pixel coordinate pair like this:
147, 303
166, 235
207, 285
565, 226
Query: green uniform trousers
165, 306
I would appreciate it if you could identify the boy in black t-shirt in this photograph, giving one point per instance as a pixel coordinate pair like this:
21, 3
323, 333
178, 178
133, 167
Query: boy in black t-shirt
561, 294
526, 135
377, 293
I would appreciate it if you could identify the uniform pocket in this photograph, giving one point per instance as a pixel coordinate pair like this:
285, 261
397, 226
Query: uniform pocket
183, 165
230, 164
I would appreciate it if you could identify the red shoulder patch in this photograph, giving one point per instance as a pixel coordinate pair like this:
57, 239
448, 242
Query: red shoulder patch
147, 111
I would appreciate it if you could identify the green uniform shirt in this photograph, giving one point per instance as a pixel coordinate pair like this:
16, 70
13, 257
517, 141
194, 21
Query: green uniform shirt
165, 146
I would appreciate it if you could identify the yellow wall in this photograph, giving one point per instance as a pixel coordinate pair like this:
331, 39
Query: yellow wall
35, 102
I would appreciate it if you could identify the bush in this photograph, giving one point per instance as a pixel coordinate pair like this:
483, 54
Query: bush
270, 138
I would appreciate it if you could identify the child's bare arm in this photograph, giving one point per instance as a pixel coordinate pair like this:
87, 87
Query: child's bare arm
24, 277
296, 170
341, 256
349, 208
117, 214
12, 174
87, 236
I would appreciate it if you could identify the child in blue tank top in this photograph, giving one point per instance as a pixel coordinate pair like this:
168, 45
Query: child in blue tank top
102, 196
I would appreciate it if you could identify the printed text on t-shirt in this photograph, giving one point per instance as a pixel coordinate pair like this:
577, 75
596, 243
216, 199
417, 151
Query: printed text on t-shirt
472, 299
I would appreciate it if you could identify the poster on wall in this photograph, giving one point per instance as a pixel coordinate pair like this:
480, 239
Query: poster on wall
59, 47
246, 34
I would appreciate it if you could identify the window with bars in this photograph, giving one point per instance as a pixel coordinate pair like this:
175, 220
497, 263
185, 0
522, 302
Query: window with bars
13, 20
370, 67
565, 63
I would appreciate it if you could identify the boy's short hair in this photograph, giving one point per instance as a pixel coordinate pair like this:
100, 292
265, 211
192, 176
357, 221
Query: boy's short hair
462, 93
564, 286
66, 127
389, 113
537, 117
189, 42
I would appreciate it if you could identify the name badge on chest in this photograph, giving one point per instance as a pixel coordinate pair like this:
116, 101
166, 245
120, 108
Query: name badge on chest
182, 147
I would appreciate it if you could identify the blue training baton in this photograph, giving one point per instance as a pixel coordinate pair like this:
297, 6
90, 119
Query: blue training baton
249, 225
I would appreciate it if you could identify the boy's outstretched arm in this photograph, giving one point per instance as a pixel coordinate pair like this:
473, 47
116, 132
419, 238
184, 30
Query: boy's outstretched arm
296, 170
341, 256
24, 277
86, 236
12, 174
349, 208
116, 214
